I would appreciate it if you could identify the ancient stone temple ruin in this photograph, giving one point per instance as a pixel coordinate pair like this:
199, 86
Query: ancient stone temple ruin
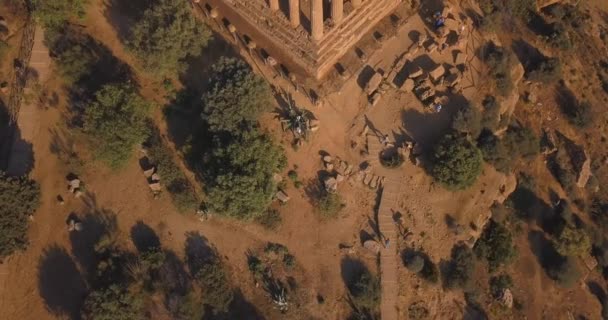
305, 37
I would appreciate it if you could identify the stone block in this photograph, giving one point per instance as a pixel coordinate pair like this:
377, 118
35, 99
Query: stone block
437, 73
373, 83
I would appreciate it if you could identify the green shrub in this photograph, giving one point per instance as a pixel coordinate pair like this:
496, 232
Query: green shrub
415, 263
495, 245
75, 62
572, 241
179, 187
53, 14
293, 175
547, 71
491, 113
502, 153
289, 260
329, 205
417, 311
365, 290
166, 35
461, 268
115, 302
580, 115
498, 284
19, 197
500, 62
468, 120
270, 219
392, 160
4, 47
456, 162
430, 272
275, 248
217, 291
116, 123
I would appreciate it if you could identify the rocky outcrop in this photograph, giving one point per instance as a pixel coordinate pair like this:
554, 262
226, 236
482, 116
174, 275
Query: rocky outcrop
579, 160
545, 3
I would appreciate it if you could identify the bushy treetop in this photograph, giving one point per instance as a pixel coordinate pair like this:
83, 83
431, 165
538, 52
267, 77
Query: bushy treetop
236, 96
456, 162
19, 197
167, 34
116, 122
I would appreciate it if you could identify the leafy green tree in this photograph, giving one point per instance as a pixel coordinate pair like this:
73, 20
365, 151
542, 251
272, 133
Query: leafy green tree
468, 120
113, 303
499, 283
55, 13
572, 241
19, 197
500, 62
415, 263
239, 174
329, 204
461, 268
456, 162
75, 62
236, 97
166, 35
365, 290
495, 245
116, 123
217, 291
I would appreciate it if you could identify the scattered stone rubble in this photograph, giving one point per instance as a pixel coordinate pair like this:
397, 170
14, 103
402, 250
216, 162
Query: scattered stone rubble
74, 186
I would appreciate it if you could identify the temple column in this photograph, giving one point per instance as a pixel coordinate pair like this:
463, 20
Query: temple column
356, 3
337, 10
294, 13
274, 5
316, 19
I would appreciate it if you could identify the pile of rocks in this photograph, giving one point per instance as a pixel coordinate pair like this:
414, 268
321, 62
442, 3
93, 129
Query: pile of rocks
153, 179
368, 178
74, 186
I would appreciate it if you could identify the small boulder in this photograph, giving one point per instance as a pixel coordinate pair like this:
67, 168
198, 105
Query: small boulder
282, 196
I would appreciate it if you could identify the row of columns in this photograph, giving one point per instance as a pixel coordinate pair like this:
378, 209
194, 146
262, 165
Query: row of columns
316, 14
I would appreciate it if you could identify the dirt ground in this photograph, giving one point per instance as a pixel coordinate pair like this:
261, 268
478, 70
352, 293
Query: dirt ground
36, 282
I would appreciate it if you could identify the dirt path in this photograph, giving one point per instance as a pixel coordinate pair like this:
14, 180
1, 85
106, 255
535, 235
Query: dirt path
21, 159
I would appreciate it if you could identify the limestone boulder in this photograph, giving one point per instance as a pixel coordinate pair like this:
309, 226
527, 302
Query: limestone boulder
373, 83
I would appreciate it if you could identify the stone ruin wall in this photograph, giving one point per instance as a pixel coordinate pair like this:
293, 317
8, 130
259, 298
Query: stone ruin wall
305, 51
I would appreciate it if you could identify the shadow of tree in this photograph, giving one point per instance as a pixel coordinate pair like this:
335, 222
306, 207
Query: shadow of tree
60, 284
96, 225
198, 251
544, 251
144, 237
239, 308
122, 15
21, 160
175, 281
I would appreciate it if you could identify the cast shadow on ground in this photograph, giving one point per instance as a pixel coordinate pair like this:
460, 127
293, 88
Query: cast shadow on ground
351, 270
144, 238
198, 251
21, 159
60, 284
544, 251
122, 15
95, 225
